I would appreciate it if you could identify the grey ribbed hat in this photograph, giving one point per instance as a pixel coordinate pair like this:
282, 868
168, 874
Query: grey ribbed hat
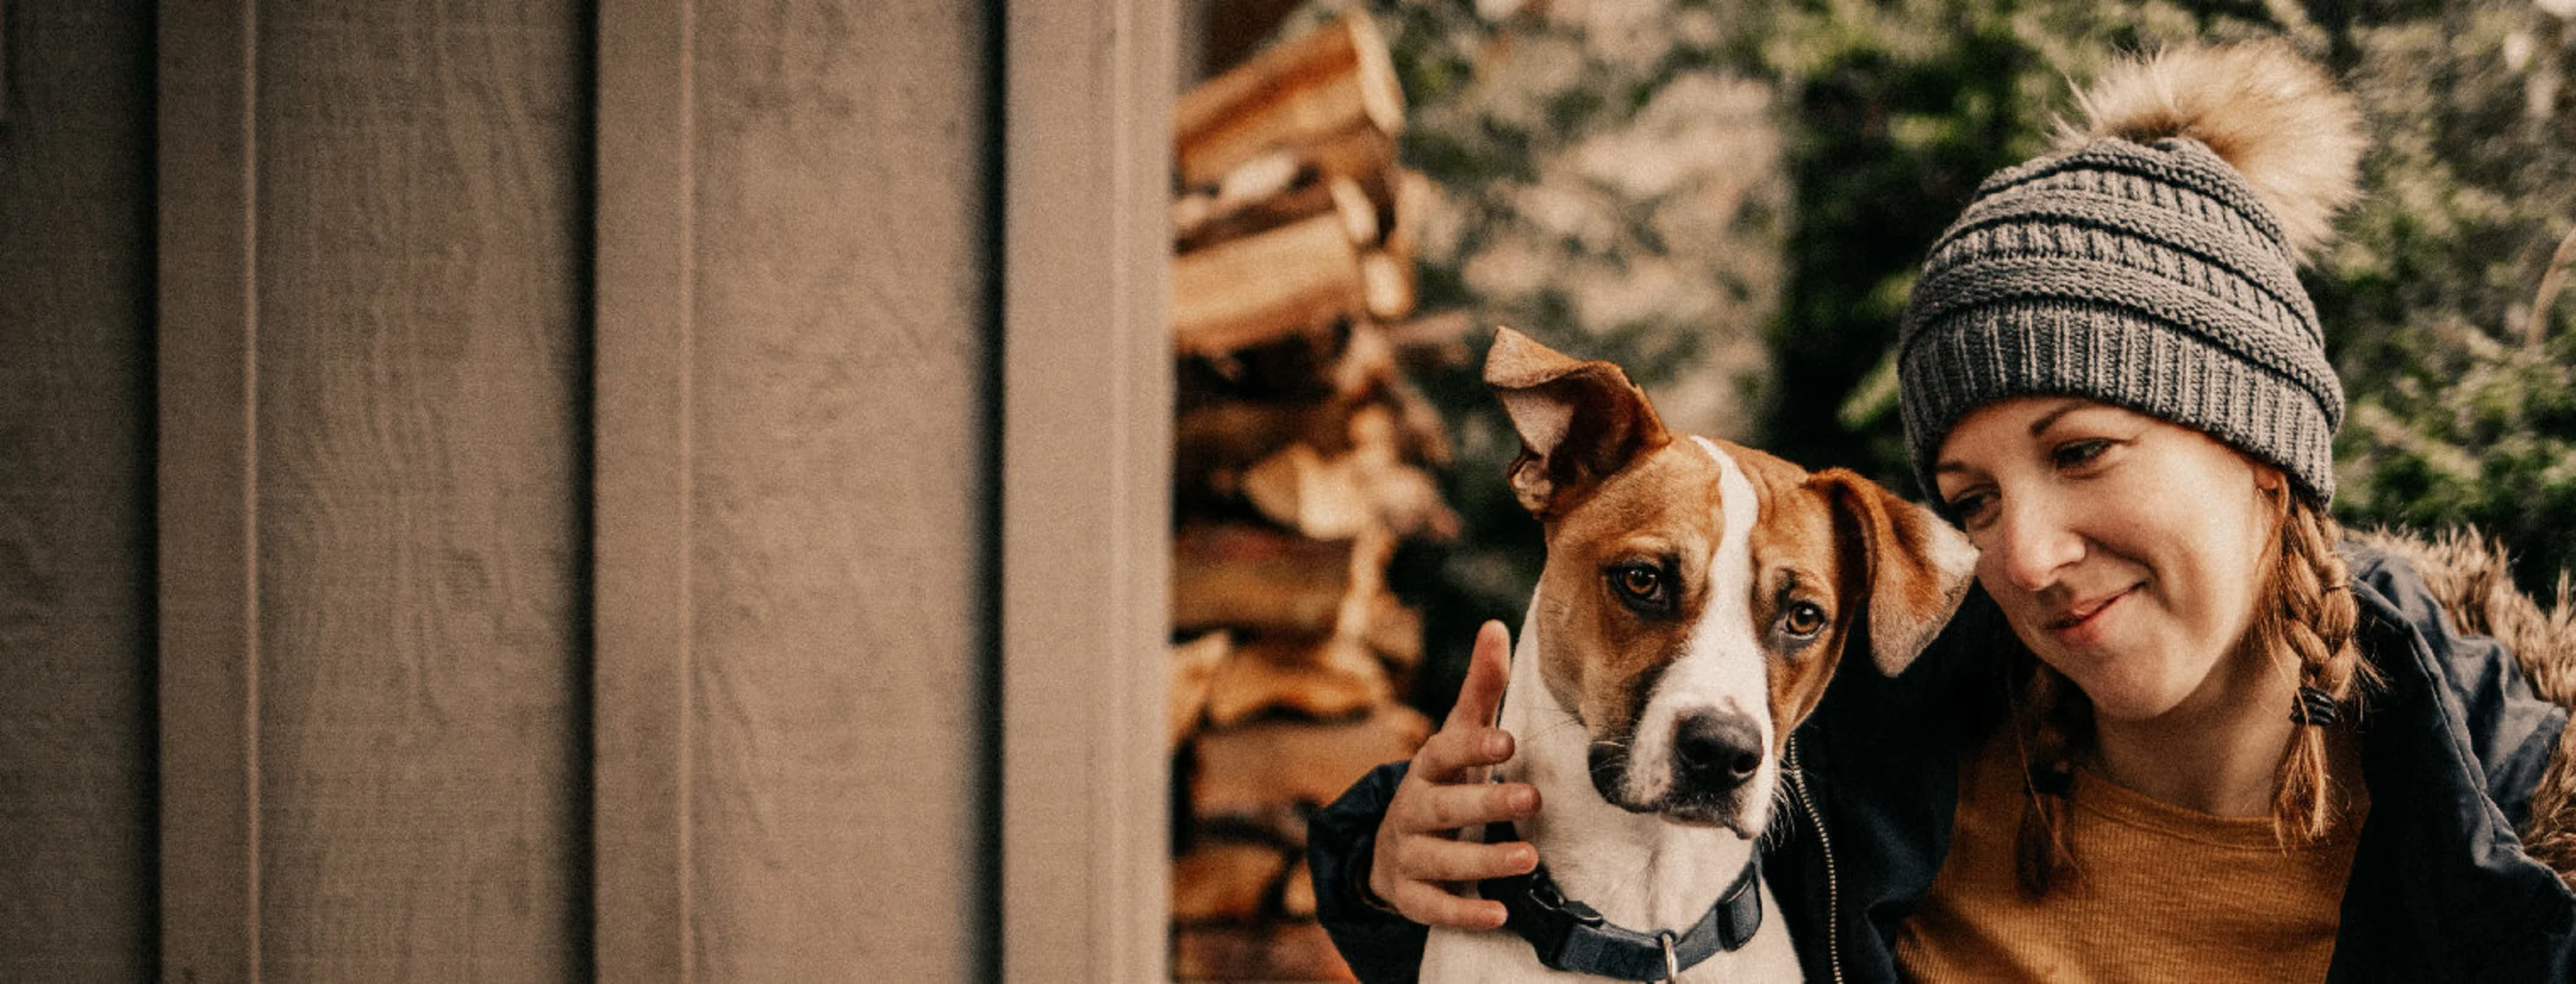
2149, 276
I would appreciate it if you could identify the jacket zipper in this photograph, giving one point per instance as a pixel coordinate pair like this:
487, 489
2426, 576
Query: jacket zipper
1833, 881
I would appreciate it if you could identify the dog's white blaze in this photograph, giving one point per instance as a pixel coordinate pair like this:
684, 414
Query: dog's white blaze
1723, 669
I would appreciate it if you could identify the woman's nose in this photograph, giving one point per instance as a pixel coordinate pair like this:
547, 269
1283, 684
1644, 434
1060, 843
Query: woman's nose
2035, 542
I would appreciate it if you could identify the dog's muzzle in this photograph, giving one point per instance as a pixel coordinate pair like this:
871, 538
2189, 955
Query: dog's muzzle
1714, 756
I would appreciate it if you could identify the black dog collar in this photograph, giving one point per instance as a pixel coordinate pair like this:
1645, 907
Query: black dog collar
1571, 936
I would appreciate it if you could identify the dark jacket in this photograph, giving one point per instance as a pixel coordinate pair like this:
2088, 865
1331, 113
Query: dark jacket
2457, 749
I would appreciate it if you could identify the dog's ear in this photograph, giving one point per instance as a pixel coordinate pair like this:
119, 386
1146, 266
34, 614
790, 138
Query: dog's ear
1915, 565
1579, 421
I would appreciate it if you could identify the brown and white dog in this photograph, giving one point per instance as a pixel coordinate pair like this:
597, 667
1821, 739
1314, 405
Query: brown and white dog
1696, 599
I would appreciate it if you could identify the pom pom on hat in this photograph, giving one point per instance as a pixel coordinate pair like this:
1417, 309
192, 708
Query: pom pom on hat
2272, 115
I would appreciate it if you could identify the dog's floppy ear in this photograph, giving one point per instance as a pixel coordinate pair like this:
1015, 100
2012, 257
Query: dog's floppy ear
1579, 421
1916, 566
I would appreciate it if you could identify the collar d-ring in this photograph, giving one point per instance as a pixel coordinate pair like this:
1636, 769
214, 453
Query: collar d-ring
1672, 964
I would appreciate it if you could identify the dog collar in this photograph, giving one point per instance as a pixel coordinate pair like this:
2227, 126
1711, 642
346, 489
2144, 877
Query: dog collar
1573, 937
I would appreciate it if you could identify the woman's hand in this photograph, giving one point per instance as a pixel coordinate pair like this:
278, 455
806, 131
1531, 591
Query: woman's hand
1420, 866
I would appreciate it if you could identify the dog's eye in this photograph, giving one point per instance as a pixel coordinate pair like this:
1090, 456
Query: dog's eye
1803, 619
1642, 587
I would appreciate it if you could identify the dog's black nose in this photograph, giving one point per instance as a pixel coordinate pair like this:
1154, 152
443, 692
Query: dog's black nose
1716, 751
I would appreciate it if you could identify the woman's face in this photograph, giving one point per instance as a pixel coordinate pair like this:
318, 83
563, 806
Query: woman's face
2124, 550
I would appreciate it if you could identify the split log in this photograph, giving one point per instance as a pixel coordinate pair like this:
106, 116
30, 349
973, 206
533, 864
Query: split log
1260, 179
1297, 894
1242, 292
1334, 678
1413, 197
1218, 220
1365, 153
1194, 669
1341, 496
1366, 363
1296, 951
1335, 78
1232, 575
1265, 176
1387, 284
1417, 422
1284, 184
1371, 551
1241, 576
1436, 342
1225, 881
1391, 274
1394, 632
1289, 368
1273, 766
1335, 498
1300, 490
1213, 444
1352, 205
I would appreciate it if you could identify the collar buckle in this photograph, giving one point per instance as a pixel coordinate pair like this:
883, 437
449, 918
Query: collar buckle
1550, 899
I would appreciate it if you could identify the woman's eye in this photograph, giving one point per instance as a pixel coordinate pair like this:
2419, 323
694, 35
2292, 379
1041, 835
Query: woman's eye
1804, 619
1969, 507
2076, 454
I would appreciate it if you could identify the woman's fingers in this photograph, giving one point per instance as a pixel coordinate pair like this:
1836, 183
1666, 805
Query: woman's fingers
1461, 754
1468, 743
1488, 667
1419, 865
1432, 906
1442, 810
1433, 859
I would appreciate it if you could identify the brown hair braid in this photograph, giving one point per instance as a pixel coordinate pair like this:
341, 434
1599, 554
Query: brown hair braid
2310, 622
2051, 719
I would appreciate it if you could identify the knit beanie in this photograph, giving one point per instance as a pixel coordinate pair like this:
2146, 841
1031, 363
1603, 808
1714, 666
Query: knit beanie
2151, 263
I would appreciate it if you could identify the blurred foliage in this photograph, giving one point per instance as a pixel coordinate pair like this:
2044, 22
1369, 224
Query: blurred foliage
2457, 417
1878, 118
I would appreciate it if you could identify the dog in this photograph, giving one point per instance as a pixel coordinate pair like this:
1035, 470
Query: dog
1696, 599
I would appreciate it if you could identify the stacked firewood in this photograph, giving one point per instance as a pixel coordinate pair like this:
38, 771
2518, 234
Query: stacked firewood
1301, 464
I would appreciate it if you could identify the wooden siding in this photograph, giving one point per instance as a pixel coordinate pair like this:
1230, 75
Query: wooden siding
75, 509
840, 415
515, 491
420, 488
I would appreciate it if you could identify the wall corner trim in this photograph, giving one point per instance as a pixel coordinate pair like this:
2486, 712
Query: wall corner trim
1085, 507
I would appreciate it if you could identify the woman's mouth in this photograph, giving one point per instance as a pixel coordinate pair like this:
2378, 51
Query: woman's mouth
2084, 624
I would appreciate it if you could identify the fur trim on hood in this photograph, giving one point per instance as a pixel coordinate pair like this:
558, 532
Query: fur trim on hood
2471, 577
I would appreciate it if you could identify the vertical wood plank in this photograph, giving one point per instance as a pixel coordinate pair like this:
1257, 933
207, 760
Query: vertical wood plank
842, 463
1085, 500
208, 565
76, 554
422, 229
642, 383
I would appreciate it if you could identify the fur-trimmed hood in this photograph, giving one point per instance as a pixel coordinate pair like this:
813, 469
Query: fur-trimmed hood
2471, 577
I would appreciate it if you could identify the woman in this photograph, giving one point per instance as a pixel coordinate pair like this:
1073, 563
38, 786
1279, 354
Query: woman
2183, 730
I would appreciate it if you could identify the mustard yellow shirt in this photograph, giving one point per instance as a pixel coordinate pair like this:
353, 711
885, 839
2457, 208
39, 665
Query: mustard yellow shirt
2165, 894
